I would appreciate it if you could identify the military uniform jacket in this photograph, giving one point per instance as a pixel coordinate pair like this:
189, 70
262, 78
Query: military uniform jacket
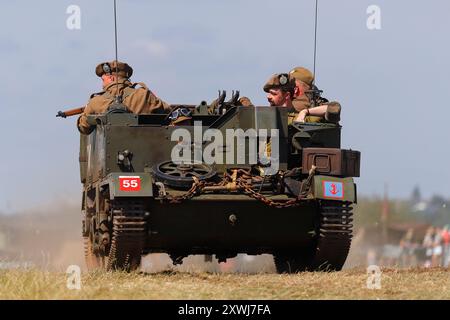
137, 100
301, 102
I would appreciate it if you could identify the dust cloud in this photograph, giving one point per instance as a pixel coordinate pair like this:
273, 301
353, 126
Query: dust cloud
49, 238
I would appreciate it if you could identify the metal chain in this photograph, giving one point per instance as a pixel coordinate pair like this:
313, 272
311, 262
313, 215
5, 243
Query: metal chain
243, 182
197, 187
272, 203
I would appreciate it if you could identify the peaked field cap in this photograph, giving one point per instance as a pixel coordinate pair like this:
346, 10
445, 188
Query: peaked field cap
123, 69
302, 74
279, 81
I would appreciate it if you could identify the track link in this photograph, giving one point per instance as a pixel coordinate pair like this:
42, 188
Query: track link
329, 250
129, 229
335, 236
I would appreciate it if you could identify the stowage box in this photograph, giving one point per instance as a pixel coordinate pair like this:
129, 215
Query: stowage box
333, 162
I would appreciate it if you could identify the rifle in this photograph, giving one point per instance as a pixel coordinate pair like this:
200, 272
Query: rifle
71, 112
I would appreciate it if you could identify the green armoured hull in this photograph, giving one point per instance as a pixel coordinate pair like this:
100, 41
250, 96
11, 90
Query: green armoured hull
204, 226
133, 205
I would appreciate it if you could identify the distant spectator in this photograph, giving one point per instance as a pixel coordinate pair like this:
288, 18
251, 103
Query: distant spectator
437, 248
446, 246
428, 245
407, 257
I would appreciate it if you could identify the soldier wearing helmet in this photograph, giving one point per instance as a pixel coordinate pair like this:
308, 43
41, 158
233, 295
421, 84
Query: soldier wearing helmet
135, 96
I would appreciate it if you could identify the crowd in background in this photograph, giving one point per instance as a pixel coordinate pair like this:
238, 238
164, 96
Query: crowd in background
431, 250
436, 245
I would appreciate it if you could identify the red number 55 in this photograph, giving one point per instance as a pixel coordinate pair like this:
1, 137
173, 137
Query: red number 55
130, 183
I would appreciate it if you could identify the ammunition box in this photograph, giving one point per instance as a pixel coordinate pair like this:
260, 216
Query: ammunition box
333, 162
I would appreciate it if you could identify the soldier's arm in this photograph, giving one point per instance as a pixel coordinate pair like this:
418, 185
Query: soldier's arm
315, 111
157, 105
331, 112
82, 124
300, 103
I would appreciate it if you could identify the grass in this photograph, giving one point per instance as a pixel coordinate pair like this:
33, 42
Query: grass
349, 284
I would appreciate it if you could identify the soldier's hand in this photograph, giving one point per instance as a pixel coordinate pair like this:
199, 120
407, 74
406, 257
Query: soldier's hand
302, 115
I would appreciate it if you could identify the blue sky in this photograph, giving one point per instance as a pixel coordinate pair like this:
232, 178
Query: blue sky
393, 83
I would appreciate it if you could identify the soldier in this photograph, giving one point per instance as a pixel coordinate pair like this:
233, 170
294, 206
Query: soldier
137, 99
280, 89
303, 83
304, 103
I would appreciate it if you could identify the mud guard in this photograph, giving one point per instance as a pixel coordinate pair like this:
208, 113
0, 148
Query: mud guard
130, 184
334, 188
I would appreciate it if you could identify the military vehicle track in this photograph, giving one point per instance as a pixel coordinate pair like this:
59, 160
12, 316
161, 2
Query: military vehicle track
332, 246
335, 235
128, 235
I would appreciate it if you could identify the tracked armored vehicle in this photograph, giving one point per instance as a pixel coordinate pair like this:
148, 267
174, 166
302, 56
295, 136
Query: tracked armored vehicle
137, 200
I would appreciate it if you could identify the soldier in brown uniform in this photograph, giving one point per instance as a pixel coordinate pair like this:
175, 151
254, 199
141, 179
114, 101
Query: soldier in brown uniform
303, 83
282, 90
137, 99
308, 110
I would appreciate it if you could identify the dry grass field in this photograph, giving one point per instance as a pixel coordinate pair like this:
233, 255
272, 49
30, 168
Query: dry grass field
349, 284
50, 241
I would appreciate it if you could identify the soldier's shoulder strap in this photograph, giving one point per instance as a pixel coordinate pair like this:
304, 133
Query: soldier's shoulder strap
148, 93
141, 84
97, 94
132, 88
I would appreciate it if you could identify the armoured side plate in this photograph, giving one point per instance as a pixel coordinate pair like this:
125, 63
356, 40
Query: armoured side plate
130, 184
333, 188
83, 157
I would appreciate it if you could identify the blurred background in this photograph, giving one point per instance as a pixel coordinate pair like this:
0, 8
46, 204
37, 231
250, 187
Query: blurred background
392, 81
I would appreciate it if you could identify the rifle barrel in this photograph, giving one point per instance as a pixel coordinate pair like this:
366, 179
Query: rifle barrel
69, 113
